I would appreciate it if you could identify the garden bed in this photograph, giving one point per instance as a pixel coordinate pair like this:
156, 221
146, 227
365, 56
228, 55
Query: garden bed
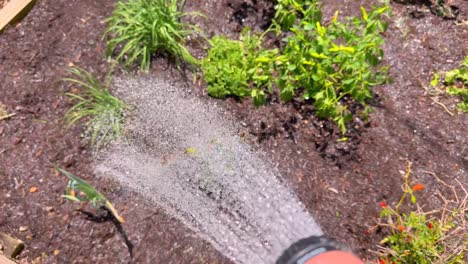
340, 183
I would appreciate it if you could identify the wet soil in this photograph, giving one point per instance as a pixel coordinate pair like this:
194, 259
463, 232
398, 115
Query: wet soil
339, 182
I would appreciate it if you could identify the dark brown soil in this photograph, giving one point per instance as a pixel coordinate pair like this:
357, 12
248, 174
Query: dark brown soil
340, 183
33, 58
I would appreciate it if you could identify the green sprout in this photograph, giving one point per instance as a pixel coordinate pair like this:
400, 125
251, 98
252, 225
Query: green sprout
456, 83
81, 191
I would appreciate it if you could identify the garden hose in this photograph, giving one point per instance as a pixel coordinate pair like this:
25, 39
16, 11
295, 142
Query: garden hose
317, 250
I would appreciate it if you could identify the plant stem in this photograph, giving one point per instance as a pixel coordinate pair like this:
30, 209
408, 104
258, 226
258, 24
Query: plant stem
407, 189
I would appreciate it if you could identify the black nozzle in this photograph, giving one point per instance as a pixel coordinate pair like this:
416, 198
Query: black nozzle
307, 248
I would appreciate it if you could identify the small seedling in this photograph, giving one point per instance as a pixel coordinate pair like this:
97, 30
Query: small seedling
105, 112
191, 151
456, 83
81, 191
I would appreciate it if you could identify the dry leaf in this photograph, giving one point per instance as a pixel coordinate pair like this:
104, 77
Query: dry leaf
33, 189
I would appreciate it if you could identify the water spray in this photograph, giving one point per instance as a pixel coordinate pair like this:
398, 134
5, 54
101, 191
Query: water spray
184, 154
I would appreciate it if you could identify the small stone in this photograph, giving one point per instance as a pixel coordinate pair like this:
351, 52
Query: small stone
68, 161
23, 228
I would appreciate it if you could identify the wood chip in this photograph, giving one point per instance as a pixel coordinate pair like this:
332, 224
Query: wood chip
12, 247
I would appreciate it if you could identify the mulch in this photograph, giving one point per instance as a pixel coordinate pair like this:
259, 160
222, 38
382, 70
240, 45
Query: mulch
340, 183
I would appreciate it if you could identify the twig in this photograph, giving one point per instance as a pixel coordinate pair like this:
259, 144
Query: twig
462, 23
7, 116
446, 185
441, 104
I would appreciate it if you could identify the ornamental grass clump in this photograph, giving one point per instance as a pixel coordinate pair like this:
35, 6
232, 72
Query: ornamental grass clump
140, 29
103, 112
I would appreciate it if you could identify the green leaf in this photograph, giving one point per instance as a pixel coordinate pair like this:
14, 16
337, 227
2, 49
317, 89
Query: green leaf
435, 80
262, 59
381, 10
343, 139
309, 26
364, 14
451, 76
292, 67
318, 55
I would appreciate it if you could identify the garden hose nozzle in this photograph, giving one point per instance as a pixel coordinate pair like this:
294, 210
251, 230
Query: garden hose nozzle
317, 250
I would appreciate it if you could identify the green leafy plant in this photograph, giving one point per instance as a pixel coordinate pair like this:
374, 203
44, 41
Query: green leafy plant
105, 113
81, 191
239, 67
421, 237
332, 64
456, 82
139, 29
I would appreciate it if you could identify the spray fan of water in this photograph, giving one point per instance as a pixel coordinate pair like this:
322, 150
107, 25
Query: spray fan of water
184, 155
